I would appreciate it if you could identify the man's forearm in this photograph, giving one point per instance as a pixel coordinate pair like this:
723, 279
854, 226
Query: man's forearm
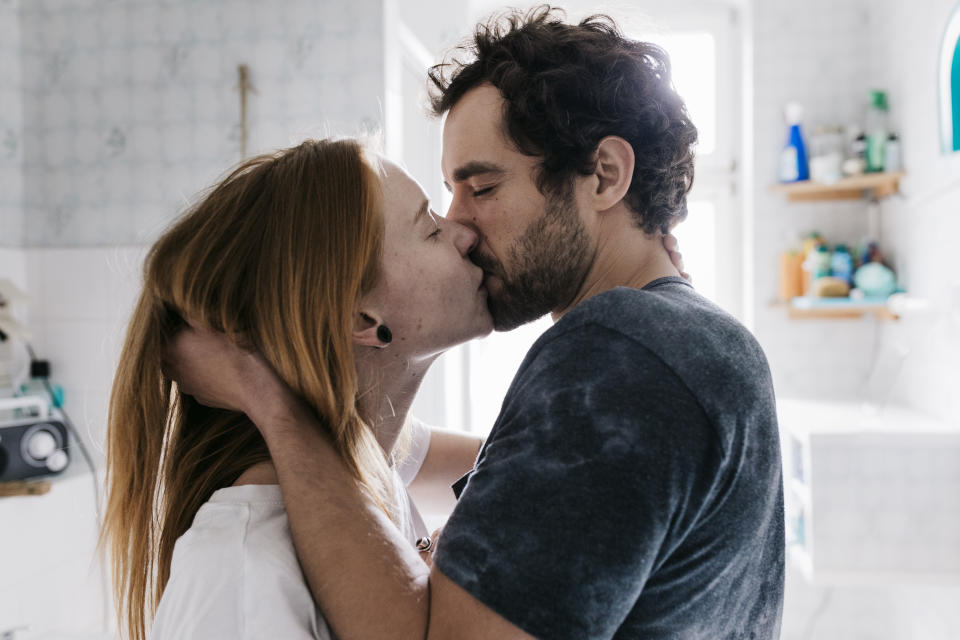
367, 579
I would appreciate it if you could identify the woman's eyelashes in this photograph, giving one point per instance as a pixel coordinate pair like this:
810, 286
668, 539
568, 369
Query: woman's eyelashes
437, 228
483, 191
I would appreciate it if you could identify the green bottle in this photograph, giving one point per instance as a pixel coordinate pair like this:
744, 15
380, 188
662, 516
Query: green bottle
877, 131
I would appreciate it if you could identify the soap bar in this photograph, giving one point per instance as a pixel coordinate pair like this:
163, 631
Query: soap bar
830, 288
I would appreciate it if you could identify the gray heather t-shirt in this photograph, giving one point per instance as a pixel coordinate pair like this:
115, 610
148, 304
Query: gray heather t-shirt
631, 486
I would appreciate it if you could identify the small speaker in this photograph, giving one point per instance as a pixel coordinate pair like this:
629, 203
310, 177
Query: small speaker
32, 445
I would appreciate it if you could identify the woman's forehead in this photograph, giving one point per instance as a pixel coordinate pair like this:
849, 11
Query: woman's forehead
403, 196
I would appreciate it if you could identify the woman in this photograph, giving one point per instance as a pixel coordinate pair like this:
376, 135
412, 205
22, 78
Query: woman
331, 265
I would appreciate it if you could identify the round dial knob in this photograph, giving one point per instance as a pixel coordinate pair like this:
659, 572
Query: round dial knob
41, 444
57, 460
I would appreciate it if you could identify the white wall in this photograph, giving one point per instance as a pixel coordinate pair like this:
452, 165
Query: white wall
922, 227
827, 55
819, 55
11, 126
167, 75
129, 109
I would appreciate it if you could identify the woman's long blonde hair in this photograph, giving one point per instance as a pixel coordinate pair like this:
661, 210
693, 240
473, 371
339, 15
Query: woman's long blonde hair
280, 252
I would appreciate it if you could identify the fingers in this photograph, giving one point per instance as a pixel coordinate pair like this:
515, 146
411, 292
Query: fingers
672, 246
673, 249
677, 258
426, 547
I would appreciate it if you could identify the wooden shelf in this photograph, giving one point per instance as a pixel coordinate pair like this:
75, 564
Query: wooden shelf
877, 185
835, 309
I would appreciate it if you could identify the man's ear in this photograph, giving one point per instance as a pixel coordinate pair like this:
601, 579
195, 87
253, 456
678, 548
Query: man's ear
365, 325
614, 171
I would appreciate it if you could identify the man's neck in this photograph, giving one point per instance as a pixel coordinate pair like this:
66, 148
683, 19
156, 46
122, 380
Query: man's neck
625, 257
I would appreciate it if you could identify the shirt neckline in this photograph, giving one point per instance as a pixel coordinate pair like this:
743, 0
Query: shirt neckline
665, 280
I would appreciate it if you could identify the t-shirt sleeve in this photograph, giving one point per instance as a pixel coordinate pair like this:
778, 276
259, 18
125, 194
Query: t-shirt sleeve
595, 469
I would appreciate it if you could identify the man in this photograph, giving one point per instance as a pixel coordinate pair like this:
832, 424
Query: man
631, 486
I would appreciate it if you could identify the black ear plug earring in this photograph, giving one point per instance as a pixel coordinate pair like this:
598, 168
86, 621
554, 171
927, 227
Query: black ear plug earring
384, 334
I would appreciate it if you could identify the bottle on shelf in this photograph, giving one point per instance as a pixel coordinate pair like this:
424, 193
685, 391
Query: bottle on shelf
826, 154
841, 264
893, 158
877, 131
791, 275
856, 158
809, 245
821, 262
793, 158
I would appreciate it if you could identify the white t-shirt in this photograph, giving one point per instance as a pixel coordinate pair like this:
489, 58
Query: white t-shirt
235, 573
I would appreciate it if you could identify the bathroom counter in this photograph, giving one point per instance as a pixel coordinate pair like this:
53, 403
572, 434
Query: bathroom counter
871, 496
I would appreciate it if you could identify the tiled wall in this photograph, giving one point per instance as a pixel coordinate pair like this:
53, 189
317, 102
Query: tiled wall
11, 126
81, 299
112, 165
826, 56
922, 227
130, 108
819, 55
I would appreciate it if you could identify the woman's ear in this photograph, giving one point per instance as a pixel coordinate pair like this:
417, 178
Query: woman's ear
365, 329
614, 171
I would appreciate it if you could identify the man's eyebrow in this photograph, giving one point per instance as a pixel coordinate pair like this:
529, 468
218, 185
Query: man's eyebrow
471, 169
422, 211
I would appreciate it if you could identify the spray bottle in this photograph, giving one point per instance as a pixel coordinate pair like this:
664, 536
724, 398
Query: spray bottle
793, 158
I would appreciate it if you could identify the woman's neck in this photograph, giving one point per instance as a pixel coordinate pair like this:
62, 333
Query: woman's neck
388, 383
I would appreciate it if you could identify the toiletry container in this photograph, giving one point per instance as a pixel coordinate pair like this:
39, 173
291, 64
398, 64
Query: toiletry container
877, 131
793, 158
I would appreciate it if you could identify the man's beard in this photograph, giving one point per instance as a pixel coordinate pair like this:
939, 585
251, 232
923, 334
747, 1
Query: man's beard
549, 263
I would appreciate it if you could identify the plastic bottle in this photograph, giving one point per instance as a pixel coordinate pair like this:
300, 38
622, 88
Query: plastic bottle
793, 158
821, 262
856, 156
791, 275
876, 130
892, 160
842, 263
810, 244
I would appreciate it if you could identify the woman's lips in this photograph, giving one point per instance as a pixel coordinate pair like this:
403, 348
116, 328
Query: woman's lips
483, 280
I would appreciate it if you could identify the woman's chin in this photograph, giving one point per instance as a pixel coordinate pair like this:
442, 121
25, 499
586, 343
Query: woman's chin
481, 330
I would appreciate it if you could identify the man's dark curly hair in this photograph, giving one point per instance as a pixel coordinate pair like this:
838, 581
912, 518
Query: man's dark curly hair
566, 87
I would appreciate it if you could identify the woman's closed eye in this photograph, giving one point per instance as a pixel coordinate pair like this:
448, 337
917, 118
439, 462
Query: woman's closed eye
437, 228
482, 192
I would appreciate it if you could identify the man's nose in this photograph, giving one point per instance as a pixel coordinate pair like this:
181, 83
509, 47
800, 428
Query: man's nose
465, 238
458, 212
